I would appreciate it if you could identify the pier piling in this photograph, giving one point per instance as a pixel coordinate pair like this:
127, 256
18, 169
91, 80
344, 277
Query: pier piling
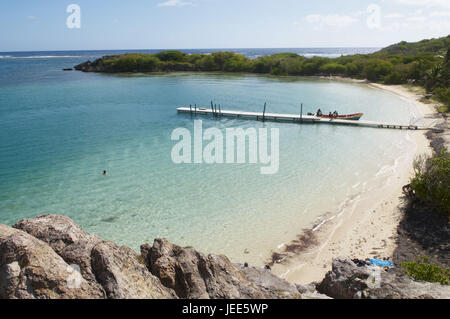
264, 112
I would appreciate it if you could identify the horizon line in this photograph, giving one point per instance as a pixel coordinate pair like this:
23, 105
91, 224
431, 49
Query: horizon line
179, 49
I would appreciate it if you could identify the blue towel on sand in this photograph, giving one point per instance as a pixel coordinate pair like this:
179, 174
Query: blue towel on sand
381, 263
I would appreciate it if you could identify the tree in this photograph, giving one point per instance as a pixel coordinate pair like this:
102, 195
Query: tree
375, 69
171, 56
332, 68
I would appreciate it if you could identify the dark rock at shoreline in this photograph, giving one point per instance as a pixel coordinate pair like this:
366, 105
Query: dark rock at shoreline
87, 66
348, 281
96, 66
194, 275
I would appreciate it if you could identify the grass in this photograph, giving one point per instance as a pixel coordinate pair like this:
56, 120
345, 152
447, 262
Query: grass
426, 271
443, 109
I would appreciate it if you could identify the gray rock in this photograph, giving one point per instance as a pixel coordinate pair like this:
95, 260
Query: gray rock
67, 239
194, 275
30, 269
310, 288
348, 281
122, 276
113, 271
267, 279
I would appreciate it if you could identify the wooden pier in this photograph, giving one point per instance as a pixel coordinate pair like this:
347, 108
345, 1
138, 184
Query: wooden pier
290, 118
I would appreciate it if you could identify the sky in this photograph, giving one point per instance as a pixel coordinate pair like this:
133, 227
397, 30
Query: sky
41, 25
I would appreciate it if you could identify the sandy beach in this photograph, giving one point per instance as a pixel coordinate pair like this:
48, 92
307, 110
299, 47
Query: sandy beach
366, 227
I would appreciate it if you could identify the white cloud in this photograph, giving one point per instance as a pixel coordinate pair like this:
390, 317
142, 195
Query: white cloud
440, 14
420, 20
393, 16
358, 13
331, 20
440, 27
174, 3
417, 19
425, 3
415, 22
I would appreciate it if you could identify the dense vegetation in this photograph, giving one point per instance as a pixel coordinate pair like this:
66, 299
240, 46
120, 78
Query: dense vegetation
424, 63
424, 270
431, 183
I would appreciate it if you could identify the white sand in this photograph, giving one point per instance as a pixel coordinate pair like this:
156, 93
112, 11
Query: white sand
367, 227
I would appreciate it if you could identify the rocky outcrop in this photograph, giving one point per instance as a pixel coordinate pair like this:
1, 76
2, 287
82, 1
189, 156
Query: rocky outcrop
67, 239
194, 275
51, 257
347, 280
30, 269
96, 66
109, 270
122, 276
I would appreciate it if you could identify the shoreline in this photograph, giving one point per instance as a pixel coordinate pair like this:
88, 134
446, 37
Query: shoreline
364, 227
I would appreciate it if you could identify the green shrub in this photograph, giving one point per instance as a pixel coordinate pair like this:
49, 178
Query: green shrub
207, 63
171, 56
333, 68
278, 71
127, 63
431, 182
426, 271
353, 69
261, 66
394, 78
147, 63
443, 95
376, 69
236, 63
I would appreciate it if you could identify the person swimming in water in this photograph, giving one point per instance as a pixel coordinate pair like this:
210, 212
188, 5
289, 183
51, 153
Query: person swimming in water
104, 173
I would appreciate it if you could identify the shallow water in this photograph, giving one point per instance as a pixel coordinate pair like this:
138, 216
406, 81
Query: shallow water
60, 130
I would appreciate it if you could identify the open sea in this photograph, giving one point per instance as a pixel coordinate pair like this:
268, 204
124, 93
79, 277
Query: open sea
60, 130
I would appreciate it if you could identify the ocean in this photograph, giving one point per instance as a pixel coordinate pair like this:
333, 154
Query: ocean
60, 130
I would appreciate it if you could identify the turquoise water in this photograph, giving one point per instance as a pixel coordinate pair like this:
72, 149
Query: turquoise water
60, 130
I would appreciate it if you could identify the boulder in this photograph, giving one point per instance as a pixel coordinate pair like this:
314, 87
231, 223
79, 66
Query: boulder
347, 280
30, 269
115, 272
122, 275
193, 275
266, 279
67, 239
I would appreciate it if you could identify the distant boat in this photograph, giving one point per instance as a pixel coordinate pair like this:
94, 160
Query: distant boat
352, 117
